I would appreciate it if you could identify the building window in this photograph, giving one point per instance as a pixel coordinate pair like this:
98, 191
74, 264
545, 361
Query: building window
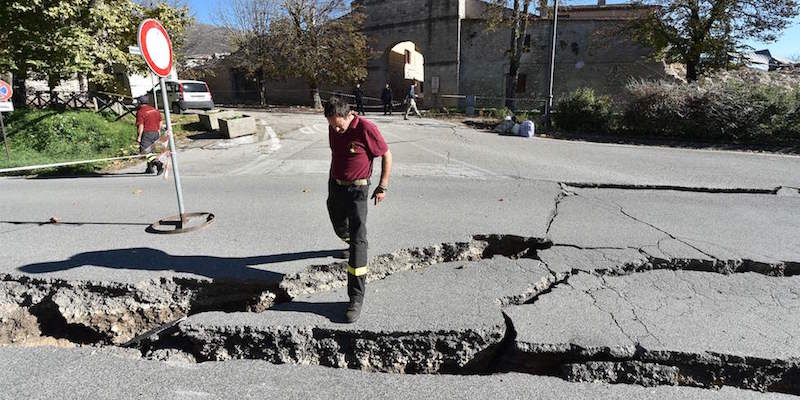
408, 57
522, 81
526, 43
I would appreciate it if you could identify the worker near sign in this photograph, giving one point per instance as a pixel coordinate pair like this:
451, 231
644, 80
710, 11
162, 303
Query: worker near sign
354, 143
148, 127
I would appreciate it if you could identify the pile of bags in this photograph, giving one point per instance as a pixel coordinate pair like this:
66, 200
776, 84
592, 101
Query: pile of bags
510, 127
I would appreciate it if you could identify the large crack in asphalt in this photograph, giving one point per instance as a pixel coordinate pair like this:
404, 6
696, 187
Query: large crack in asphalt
106, 313
149, 316
638, 355
778, 190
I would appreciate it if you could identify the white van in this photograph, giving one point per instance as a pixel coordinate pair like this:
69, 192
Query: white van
184, 95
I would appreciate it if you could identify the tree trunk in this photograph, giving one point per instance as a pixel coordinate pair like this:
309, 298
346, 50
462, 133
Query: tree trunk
83, 83
696, 37
315, 95
691, 70
513, 61
262, 88
52, 83
20, 88
520, 26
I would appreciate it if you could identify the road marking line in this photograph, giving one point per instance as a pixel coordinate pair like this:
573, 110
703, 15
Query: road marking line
448, 158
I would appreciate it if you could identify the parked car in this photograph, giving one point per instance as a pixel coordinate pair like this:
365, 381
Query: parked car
184, 95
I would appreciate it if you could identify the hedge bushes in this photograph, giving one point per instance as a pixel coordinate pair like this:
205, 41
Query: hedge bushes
584, 111
720, 111
731, 110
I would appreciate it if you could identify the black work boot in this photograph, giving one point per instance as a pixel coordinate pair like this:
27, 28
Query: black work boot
356, 286
353, 310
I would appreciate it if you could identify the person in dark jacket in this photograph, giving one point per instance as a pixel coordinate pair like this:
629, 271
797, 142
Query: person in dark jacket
386, 97
359, 95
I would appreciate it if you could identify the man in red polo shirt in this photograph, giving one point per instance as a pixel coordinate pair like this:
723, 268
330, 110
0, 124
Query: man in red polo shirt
148, 128
354, 143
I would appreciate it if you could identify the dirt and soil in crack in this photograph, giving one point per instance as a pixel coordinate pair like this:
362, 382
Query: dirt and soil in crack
89, 313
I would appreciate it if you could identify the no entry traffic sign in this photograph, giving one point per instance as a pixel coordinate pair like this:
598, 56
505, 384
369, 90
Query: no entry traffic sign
155, 46
5, 106
5, 91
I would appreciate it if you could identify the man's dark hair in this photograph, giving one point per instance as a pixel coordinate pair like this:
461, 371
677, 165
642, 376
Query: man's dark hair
336, 107
142, 100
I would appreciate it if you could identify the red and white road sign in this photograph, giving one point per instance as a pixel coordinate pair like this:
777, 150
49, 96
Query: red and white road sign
5, 91
155, 46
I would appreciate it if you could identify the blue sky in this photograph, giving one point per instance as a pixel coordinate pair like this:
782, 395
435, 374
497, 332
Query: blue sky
788, 43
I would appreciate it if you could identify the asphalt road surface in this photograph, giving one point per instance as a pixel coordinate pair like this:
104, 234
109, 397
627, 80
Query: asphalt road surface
671, 274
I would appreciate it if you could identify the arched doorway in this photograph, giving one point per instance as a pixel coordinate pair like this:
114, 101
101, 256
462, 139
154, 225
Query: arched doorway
405, 65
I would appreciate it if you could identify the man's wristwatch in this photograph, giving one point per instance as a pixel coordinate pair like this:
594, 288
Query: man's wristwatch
383, 189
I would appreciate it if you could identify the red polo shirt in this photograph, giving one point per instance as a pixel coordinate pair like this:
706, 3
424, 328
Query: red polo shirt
353, 150
149, 117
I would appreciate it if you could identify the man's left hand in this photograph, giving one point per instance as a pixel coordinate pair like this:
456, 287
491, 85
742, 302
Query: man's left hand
379, 194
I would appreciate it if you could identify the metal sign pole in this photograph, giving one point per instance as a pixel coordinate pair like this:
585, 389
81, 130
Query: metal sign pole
172, 154
5, 141
548, 107
152, 82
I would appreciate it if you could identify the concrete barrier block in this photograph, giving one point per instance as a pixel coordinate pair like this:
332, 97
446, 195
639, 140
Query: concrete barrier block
235, 126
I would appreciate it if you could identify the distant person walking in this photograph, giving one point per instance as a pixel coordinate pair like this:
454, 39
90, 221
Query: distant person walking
148, 128
354, 143
359, 95
411, 100
386, 97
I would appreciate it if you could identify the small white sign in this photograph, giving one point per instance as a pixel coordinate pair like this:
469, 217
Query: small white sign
134, 50
6, 106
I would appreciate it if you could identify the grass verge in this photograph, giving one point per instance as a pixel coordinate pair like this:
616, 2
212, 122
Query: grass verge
47, 136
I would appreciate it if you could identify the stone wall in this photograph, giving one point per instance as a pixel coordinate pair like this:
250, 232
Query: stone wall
588, 53
229, 87
467, 59
433, 26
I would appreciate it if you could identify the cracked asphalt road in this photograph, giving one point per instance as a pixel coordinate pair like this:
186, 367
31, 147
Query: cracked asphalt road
601, 316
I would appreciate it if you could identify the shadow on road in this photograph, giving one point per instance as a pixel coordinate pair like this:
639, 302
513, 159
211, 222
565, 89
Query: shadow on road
332, 311
40, 223
56, 175
148, 259
205, 135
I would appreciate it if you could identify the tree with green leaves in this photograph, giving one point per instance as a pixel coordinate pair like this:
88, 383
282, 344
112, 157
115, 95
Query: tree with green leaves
61, 39
708, 35
317, 41
321, 42
249, 25
512, 14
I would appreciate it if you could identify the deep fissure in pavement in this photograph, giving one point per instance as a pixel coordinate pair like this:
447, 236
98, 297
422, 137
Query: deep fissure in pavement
651, 368
86, 312
778, 190
113, 314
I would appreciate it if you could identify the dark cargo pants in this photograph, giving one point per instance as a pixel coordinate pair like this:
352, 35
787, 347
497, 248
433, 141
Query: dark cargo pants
347, 208
148, 138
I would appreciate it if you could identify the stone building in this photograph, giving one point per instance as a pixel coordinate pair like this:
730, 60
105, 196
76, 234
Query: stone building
460, 56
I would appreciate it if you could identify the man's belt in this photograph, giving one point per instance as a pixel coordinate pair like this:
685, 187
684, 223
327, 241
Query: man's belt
357, 182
